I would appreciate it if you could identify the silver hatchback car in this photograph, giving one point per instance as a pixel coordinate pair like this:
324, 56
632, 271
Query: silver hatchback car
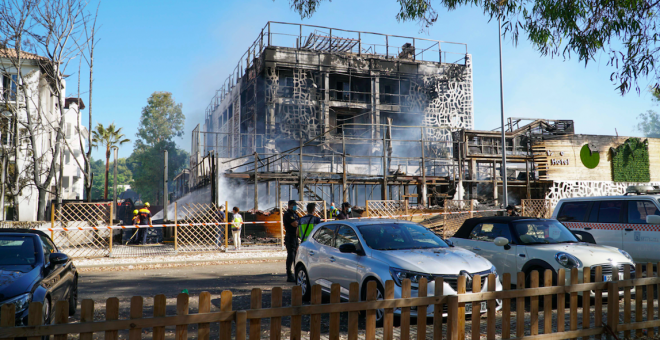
380, 250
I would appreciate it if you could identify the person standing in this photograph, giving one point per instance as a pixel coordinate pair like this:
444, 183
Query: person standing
237, 224
145, 220
345, 212
290, 220
136, 221
219, 228
308, 222
511, 211
333, 211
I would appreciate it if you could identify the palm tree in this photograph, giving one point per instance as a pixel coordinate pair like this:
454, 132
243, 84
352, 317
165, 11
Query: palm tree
108, 137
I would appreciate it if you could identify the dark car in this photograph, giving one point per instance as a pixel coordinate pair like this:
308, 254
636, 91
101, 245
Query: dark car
32, 270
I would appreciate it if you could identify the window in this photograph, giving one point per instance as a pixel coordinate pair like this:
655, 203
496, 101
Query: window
67, 156
638, 210
610, 211
573, 211
543, 232
9, 87
398, 236
325, 236
489, 232
65, 183
68, 130
593, 216
48, 248
346, 235
17, 250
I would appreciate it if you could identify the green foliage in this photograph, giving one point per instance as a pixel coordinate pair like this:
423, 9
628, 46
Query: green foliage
625, 31
124, 177
146, 165
162, 119
107, 137
630, 161
589, 159
649, 124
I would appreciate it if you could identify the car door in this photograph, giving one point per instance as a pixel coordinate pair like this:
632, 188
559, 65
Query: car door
481, 241
319, 272
53, 274
343, 266
640, 239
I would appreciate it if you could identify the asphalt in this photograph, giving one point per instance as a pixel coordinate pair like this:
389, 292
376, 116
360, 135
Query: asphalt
239, 278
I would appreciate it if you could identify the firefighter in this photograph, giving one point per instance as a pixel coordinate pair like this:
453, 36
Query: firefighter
136, 221
145, 220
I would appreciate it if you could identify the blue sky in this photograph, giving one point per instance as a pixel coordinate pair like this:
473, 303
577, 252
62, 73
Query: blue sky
189, 48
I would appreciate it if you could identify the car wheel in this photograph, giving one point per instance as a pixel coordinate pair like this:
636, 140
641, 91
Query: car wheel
73, 298
302, 280
380, 295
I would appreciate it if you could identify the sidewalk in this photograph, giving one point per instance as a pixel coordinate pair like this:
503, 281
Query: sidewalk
167, 258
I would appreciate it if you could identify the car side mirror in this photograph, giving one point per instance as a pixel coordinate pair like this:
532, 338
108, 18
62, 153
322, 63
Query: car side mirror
449, 242
579, 237
653, 219
501, 241
347, 248
58, 258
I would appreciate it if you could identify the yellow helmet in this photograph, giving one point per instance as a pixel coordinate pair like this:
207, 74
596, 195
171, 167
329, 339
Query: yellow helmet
147, 205
135, 212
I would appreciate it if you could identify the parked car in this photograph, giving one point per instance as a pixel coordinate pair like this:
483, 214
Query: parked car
380, 250
522, 244
33, 270
617, 221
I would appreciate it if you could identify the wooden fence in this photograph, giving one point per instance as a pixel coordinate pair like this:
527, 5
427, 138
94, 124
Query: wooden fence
531, 310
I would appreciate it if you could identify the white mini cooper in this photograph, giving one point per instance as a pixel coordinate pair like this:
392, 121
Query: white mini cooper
522, 244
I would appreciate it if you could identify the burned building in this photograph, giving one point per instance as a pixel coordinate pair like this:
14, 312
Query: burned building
374, 114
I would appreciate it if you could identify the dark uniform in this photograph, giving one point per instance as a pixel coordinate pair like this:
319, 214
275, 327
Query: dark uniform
342, 216
145, 219
290, 239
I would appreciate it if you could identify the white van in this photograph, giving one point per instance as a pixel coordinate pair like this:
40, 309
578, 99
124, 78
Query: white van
618, 221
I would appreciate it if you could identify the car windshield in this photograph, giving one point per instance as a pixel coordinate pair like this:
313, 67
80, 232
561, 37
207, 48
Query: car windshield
17, 250
398, 236
543, 232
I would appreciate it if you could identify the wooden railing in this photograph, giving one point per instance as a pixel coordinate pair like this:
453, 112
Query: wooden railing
532, 320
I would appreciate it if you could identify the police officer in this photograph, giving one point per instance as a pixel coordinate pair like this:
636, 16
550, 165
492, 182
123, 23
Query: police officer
290, 220
308, 222
145, 220
345, 211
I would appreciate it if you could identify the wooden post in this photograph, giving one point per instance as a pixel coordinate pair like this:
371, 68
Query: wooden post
344, 182
444, 220
111, 232
495, 182
613, 306
256, 181
176, 227
529, 196
460, 330
325, 210
226, 225
471, 208
383, 188
524, 204
368, 208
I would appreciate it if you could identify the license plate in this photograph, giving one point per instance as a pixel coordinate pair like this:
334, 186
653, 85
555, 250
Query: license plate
468, 307
609, 277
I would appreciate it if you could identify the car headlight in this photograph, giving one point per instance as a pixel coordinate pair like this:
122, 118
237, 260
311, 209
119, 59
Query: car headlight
22, 302
568, 260
625, 253
399, 275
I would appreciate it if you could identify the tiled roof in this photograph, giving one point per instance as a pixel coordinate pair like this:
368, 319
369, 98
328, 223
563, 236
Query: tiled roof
11, 53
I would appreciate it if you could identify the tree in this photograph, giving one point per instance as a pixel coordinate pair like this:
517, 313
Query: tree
161, 121
626, 31
40, 33
649, 121
109, 137
124, 177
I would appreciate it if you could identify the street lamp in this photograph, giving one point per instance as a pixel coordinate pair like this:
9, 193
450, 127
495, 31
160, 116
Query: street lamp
505, 197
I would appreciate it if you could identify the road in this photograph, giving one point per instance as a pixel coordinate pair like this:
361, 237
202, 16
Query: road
239, 278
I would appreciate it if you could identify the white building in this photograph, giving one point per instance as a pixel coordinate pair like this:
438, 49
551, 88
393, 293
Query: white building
45, 114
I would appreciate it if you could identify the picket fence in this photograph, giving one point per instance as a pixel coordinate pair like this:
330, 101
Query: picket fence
247, 324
